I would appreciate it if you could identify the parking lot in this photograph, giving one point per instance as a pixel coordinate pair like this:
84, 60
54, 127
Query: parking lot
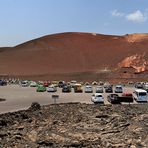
18, 97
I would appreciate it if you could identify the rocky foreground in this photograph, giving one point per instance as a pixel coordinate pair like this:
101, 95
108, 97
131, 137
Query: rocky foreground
76, 125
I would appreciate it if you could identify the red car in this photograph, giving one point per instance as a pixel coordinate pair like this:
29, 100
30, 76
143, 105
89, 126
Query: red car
127, 95
46, 84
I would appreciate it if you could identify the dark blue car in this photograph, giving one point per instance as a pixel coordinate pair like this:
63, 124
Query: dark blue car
3, 82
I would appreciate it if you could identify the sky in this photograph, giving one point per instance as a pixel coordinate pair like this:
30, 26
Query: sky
23, 20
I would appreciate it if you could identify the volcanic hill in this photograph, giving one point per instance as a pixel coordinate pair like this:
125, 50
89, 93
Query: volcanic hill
74, 55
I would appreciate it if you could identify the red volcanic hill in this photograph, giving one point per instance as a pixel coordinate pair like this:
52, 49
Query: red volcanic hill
70, 53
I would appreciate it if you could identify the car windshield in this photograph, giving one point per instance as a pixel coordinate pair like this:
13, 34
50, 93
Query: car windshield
65, 87
99, 87
61, 82
98, 95
118, 87
114, 95
108, 88
24, 82
51, 87
88, 87
127, 94
142, 94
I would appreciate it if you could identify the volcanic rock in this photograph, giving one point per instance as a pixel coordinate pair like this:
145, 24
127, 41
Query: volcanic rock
77, 125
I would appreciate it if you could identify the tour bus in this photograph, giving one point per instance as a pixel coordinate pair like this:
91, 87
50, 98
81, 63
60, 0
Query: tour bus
140, 95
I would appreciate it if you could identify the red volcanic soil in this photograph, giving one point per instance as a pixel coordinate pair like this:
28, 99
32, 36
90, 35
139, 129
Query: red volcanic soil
75, 55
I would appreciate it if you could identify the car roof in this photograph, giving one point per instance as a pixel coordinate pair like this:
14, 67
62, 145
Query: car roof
40, 85
88, 86
140, 90
125, 93
99, 86
118, 85
73, 81
113, 94
98, 94
51, 85
78, 84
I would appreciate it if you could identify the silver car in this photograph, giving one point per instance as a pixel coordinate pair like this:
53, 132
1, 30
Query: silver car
99, 89
118, 89
88, 89
51, 88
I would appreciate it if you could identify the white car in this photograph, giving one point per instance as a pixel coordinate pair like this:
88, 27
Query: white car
140, 95
51, 88
118, 89
97, 98
106, 84
73, 82
25, 83
33, 84
145, 87
88, 89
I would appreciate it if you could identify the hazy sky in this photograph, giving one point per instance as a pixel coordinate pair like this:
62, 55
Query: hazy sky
22, 20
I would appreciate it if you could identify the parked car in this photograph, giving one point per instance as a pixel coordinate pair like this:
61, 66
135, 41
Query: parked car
33, 84
97, 98
66, 88
68, 84
78, 88
140, 95
145, 87
61, 84
99, 89
126, 94
139, 85
118, 89
101, 83
108, 89
51, 88
94, 83
113, 98
40, 83
41, 88
25, 83
55, 83
131, 83
88, 89
106, 84
86, 83
3, 82
126, 97
46, 83
82, 83
72, 83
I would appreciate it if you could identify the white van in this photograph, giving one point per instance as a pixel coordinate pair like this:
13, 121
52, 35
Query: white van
140, 95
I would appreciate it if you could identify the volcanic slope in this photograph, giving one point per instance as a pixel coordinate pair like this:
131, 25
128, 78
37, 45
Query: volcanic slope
73, 52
